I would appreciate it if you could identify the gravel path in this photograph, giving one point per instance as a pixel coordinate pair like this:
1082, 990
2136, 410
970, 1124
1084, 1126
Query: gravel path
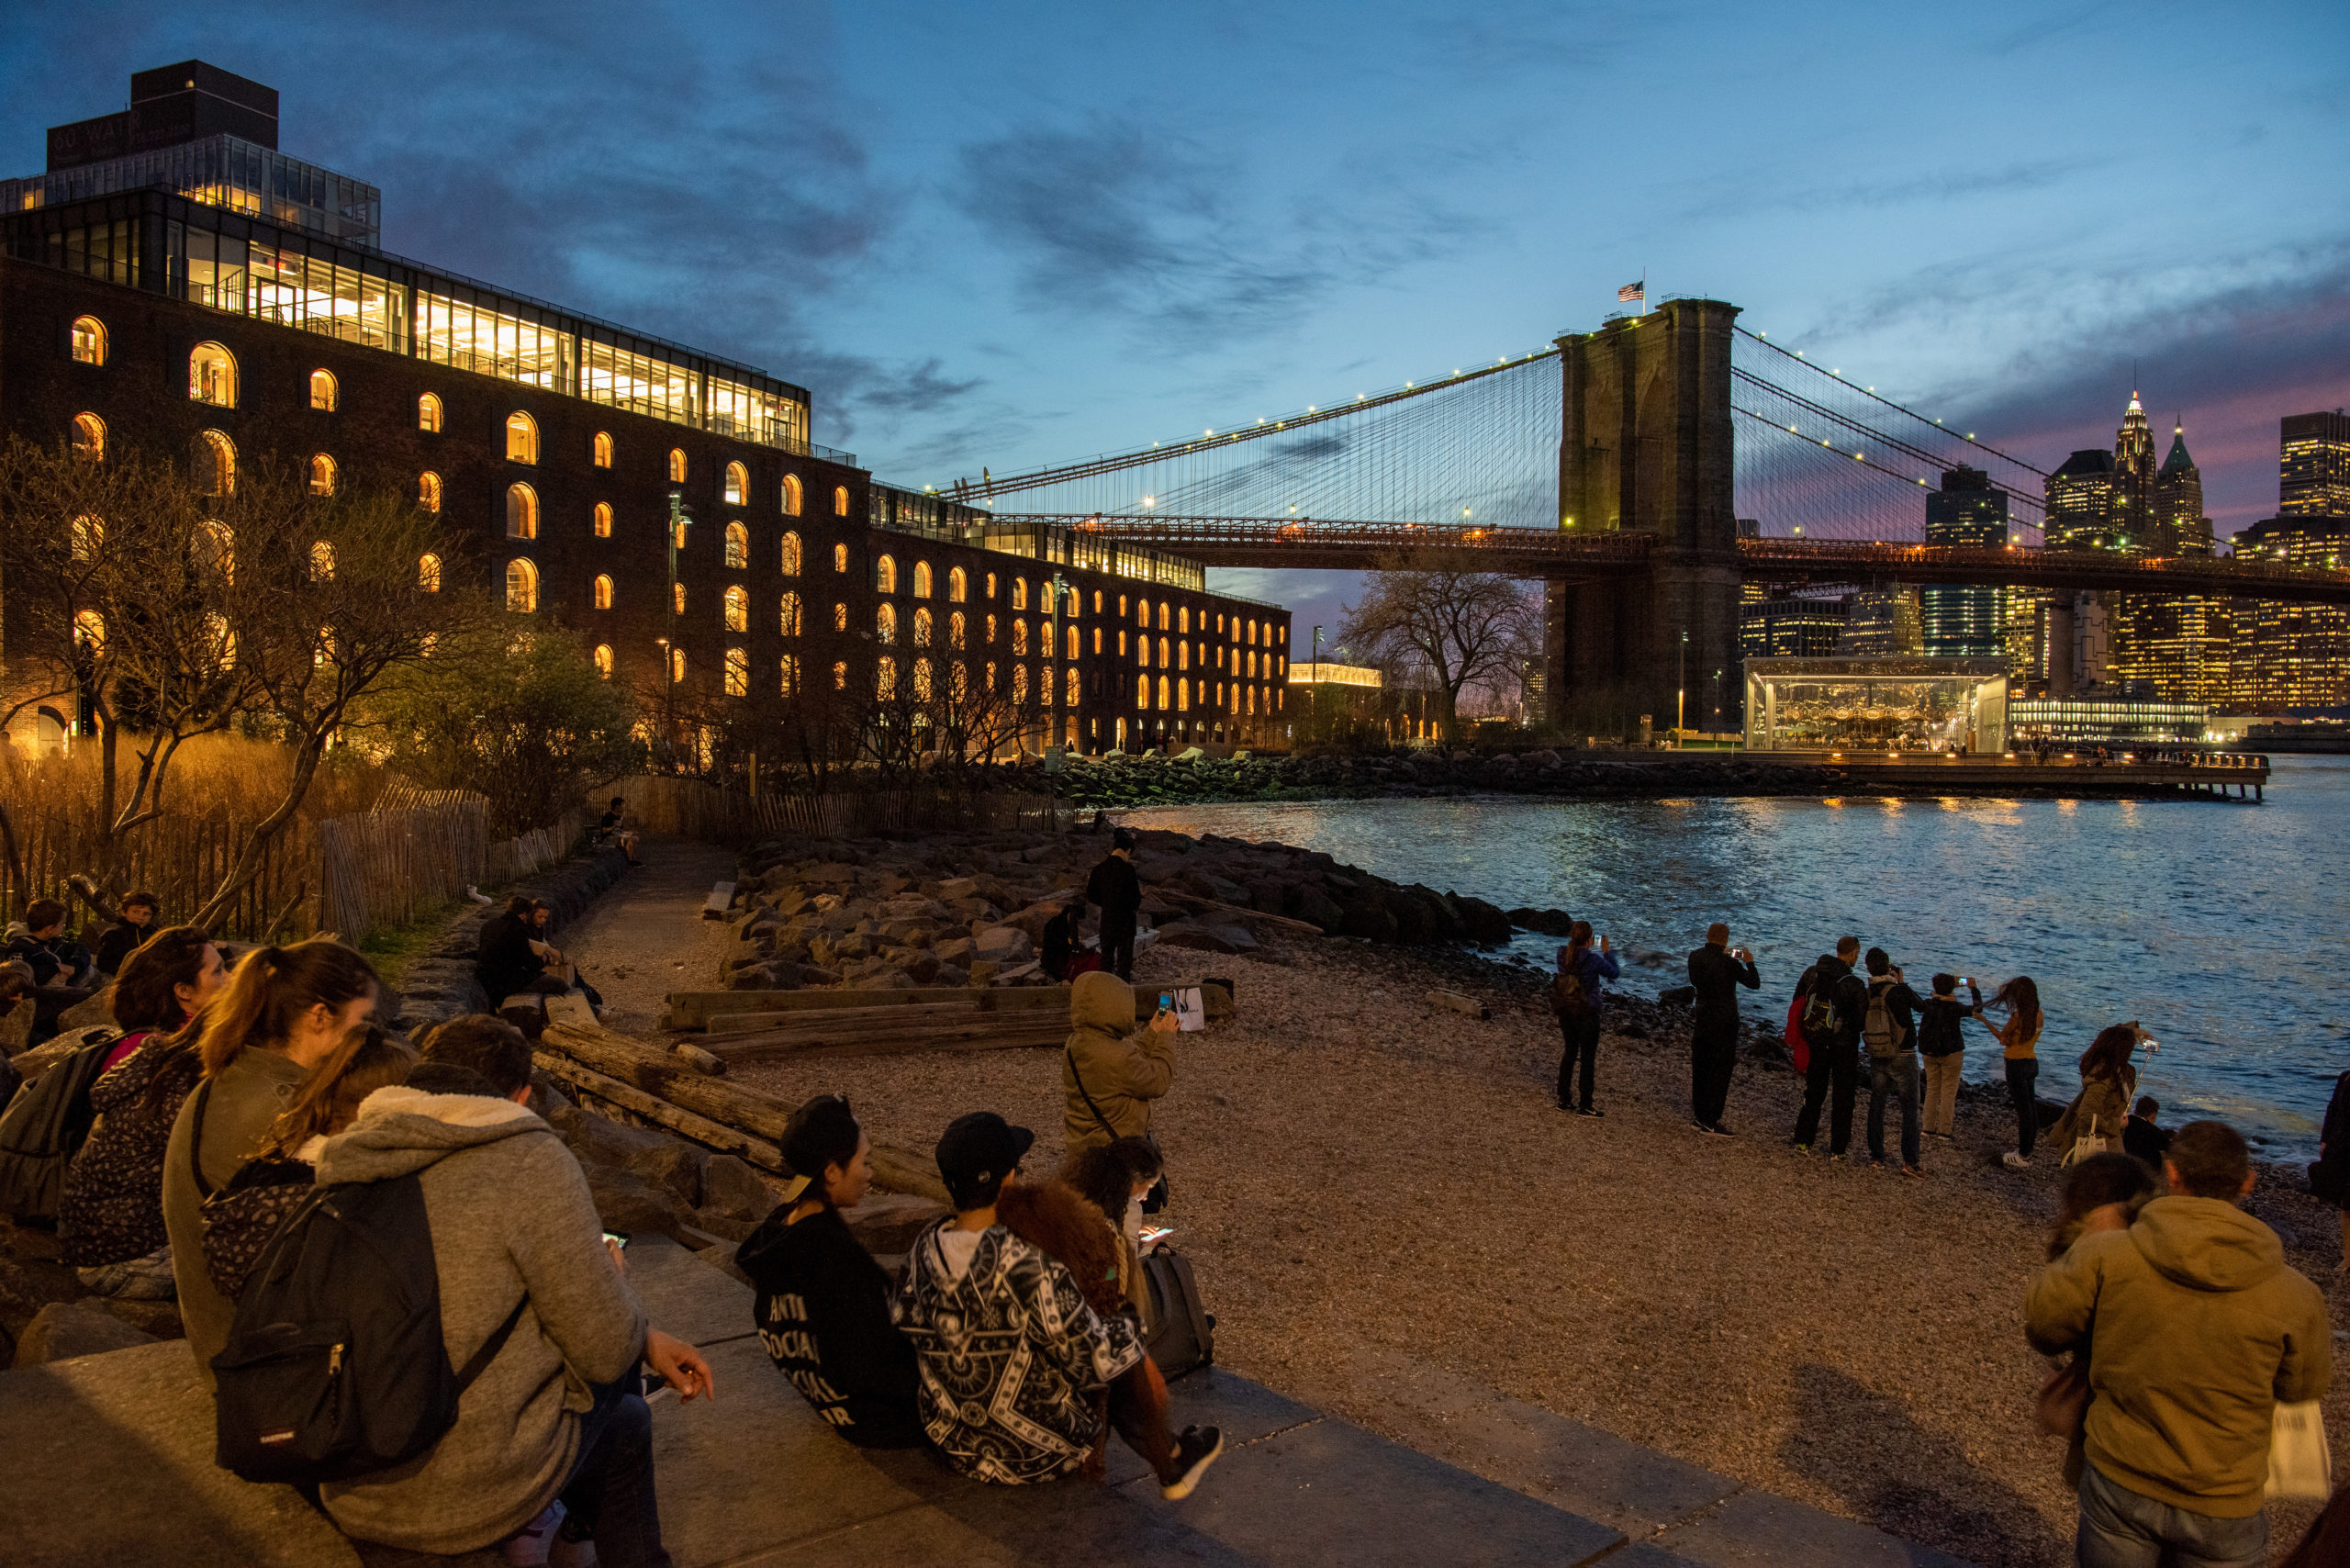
1363, 1176
646, 937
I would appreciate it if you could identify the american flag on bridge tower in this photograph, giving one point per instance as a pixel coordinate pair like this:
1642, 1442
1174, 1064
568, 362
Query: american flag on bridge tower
1632, 291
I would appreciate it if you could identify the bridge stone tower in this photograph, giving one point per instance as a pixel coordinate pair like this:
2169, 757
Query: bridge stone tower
1644, 447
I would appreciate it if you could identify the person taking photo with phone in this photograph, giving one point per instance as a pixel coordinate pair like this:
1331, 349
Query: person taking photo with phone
1716, 970
1111, 1071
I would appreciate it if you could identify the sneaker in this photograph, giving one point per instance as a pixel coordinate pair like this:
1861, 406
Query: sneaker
1699, 1127
1838, 1160
529, 1546
2015, 1161
1716, 1130
1587, 1111
1802, 1148
1195, 1450
1911, 1171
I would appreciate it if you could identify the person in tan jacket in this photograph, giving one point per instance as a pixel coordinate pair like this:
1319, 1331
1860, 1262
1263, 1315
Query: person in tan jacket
2196, 1331
1111, 1071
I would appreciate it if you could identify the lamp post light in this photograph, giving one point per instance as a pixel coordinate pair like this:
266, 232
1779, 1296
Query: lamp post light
1681, 697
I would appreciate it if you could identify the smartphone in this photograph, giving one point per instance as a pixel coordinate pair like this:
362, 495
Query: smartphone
1167, 1001
618, 1238
1157, 1232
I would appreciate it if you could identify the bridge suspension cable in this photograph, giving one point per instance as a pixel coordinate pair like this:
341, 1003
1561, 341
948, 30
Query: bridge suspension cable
1796, 357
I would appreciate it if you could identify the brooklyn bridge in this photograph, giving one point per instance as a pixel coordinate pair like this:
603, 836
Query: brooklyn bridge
1645, 473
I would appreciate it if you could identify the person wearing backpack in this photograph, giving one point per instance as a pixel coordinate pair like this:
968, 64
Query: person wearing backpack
1889, 1030
110, 1218
284, 1010
1576, 997
1834, 998
522, 1271
1716, 972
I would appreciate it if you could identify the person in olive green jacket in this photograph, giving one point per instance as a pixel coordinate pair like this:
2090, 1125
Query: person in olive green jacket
1120, 1068
2196, 1331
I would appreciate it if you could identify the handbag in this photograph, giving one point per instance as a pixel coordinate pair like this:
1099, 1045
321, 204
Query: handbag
2299, 1462
2061, 1408
1155, 1199
2083, 1145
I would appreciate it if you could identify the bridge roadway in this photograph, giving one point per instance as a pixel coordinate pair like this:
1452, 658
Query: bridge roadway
1562, 556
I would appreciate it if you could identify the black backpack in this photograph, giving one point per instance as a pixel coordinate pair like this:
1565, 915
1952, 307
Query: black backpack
1823, 1021
46, 1124
1182, 1335
334, 1366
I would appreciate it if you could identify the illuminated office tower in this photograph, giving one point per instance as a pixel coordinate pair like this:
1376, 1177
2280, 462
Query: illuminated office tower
2292, 656
2174, 648
2314, 467
1965, 622
2081, 502
2178, 499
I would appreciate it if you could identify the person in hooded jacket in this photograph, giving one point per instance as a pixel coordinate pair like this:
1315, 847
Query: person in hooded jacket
822, 1309
2196, 1330
515, 1235
1118, 890
1111, 1071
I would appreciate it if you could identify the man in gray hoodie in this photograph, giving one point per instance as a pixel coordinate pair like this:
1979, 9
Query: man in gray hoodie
555, 1412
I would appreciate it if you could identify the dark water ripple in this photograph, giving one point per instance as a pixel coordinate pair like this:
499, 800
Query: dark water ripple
2218, 926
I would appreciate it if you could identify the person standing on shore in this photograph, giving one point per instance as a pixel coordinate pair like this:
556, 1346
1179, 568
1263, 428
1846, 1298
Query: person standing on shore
1118, 890
1575, 997
2333, 1148
2019, 1036
1716, 970
1889, 1026
2108, 1082
2196, 1331
1834, 998
1111, 1071
1944, 1044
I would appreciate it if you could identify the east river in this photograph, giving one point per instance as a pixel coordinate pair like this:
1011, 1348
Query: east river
2220, 926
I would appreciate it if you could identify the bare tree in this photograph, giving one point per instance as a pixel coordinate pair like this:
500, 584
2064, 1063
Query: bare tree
1431, 614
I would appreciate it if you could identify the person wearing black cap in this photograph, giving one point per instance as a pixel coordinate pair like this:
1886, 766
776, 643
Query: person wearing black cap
823, 1303
1009, 1352
1118, 890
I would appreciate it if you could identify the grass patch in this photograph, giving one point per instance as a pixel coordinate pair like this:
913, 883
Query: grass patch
392, 951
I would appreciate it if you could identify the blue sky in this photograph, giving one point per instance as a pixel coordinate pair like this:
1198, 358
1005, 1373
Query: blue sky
1014, 233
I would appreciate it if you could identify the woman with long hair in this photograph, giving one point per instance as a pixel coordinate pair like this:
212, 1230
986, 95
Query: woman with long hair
2108, 1081
286, 1011
1113, 1178
1575, 996
2019, 1037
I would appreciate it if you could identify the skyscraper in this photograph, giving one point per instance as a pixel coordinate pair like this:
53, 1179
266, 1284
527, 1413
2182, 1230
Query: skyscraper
2174, 648
2081, 502
2179, 521
1965, 622
2133, 483
2297, 656
2313, 470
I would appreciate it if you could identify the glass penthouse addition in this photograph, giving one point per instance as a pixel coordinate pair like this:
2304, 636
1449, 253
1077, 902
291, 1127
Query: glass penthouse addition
248, 266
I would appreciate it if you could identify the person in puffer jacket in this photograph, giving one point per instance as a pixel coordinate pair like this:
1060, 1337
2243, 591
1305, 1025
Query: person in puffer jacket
1111, 1071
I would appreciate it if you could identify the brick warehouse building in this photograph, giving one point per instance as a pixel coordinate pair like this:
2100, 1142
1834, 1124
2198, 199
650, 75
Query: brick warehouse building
260, 322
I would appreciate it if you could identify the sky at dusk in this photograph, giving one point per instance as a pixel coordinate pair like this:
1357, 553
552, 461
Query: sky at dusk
1010, 234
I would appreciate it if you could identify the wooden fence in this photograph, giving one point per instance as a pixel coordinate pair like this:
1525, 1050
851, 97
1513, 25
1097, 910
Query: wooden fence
382, 869
692, 809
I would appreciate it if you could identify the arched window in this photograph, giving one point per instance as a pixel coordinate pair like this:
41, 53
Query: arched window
1018, 638
990, 628
738, 672
89, 436
322, 391
792, 615
219, 548
790, 674
922, 681
1142, 612
1162, 615
840, 501
212, 375
90, 632
522, 586
921, 579
603, 591
677, 597
1183, 696
790, 555
794, 495
599, 449
1142, 651
922, 628
220, 641
676, 666
1183, 655
840, 675
885, 624
601, 519
1162, 691
680, 528
1072, 643
955, 631
89, 536
428, 491
521, 512
885, 677
89, 341
603, 657
323, 475
428, 573
321, 562
522, 438
958, 681
1069, 700
1020, 593
738, 483
840, 557
1142, 691
1019, 683
958, 584
1164, 661
738, 545
840, 617
885, 574
677, 465
991, 585
737, 609
1184, 619
1252, 632
428, 414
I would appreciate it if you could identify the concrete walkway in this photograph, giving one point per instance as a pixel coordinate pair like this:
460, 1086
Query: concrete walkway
111, 1461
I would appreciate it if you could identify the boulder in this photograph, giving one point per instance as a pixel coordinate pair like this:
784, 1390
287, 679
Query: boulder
1202, 937
630, 1205
1002, 945
64, 1329
1484, 923
908, 933
982, 972
951, 974
1555, 922
956, 888
892, 1222
731, 1187
1367, 916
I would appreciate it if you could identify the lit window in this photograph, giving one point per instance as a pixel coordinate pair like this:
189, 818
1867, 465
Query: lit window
521, 512
991, 629
1162, 691
323, 475
428, 491
677, 466
991, 585
840, 675
1184, 619
958, 584
603, 661
1018, 638
738, 672
885, 624
1162, 615
738, 545
428, 573
791, 555
1142, 691
792, 618
90, 632
737, 610
790, 674
921, 680
794, 496
1142, 612
1020, 593
683, 523
603, 591
321, 562
212, 375
522, 586
1097, 639
599, 450
1182, 655
89, 536
840, 617
738, 483
676, 666
840, 557
1072, 643
89, 436
1019, 683
677, 597
1183, 696
428, 414
921, 579
840, 501
602, 523
1097, 601
89, 341
922, 627
1164, 660
885, 677
1071, 700
322, 391
955, 631
219, 546
1253, 631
